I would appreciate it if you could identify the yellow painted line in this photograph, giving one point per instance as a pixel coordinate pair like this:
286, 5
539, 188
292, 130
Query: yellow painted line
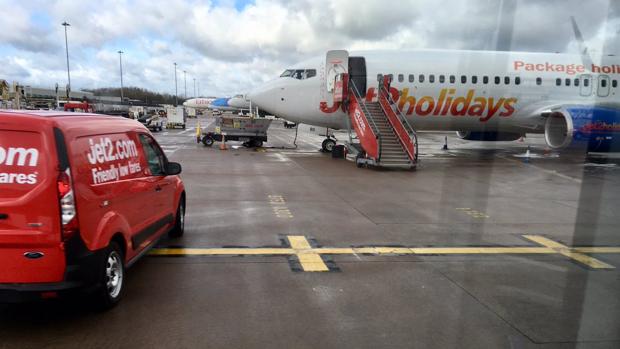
221, 251
308, 258
568, 252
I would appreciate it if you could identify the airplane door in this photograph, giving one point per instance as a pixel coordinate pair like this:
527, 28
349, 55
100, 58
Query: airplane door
585, 84
357, 72
602, 89
336, 63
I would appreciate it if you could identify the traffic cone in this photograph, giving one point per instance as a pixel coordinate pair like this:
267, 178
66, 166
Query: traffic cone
198, 132
223, 143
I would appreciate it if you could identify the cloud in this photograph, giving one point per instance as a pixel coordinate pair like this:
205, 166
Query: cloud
230, 46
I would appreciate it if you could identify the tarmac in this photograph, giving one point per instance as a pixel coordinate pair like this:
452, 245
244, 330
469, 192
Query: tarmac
286, 247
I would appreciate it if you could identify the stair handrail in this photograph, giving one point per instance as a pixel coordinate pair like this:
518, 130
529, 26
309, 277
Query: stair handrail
403, 119
362, 103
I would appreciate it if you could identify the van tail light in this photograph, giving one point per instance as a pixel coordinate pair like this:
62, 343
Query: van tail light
68, 213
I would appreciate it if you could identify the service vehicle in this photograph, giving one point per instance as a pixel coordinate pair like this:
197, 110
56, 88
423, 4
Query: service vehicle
251, 131
175, 117
82, 197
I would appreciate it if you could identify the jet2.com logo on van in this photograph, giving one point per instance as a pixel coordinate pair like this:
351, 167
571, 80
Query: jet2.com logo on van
17, 165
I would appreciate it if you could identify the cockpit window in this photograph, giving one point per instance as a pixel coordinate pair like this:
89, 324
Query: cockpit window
299, 74
310, 73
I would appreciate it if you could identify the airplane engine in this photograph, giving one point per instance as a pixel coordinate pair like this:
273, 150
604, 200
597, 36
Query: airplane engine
594, 129
488, 136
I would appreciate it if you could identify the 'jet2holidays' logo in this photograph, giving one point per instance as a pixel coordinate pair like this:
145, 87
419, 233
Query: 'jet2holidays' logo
448, 103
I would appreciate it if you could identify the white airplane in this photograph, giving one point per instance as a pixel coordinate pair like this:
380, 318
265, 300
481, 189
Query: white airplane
482, 95
199, 103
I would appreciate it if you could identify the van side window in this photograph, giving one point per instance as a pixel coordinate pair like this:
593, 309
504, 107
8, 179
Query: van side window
474, 79
411, 78
431, 78
485, 80
538, 81
154, 157
401, 78
421, 78
452, 79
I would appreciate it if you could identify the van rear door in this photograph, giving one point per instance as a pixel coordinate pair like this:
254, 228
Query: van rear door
30, 241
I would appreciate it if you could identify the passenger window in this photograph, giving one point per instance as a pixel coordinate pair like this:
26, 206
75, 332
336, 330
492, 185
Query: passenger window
442, 79
567, 82
558, 82
576, 82
411, 78
474, 79
586, 82
506, 80
421, 78
463, 79
431, 78
310, 73
401, 78
497, 80
614, 83
452, 79
603, 83
518, 80
539, 81
154, 156
485, 80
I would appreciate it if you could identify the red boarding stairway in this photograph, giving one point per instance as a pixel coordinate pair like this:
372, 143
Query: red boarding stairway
386, 137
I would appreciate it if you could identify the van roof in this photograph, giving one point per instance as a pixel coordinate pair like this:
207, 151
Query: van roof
72, 120
49, 113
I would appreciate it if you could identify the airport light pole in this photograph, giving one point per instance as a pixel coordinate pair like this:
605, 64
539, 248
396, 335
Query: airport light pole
65, 24
185, 82
176, 91
120, 60
195, 88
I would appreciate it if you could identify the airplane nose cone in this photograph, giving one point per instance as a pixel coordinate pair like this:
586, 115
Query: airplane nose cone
264, 97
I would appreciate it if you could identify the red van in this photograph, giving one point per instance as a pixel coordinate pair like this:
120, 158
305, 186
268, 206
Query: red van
82, 197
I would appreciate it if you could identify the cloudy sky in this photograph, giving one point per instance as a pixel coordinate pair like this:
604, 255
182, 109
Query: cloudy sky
229, 46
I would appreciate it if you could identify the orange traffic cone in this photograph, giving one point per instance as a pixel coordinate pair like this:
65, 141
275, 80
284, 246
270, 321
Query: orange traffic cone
223, 143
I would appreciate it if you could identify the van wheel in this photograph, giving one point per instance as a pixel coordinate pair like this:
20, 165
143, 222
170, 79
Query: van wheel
179, 226
111, 277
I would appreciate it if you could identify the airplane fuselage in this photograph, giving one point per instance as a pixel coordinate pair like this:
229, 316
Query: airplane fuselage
454, 90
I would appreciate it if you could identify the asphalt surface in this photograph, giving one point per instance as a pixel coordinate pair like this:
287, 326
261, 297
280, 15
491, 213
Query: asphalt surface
480, 196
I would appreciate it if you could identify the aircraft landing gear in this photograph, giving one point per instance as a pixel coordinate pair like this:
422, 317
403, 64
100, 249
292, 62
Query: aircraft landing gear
328, 145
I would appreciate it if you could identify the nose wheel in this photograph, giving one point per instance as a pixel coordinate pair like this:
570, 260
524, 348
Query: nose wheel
328, 145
